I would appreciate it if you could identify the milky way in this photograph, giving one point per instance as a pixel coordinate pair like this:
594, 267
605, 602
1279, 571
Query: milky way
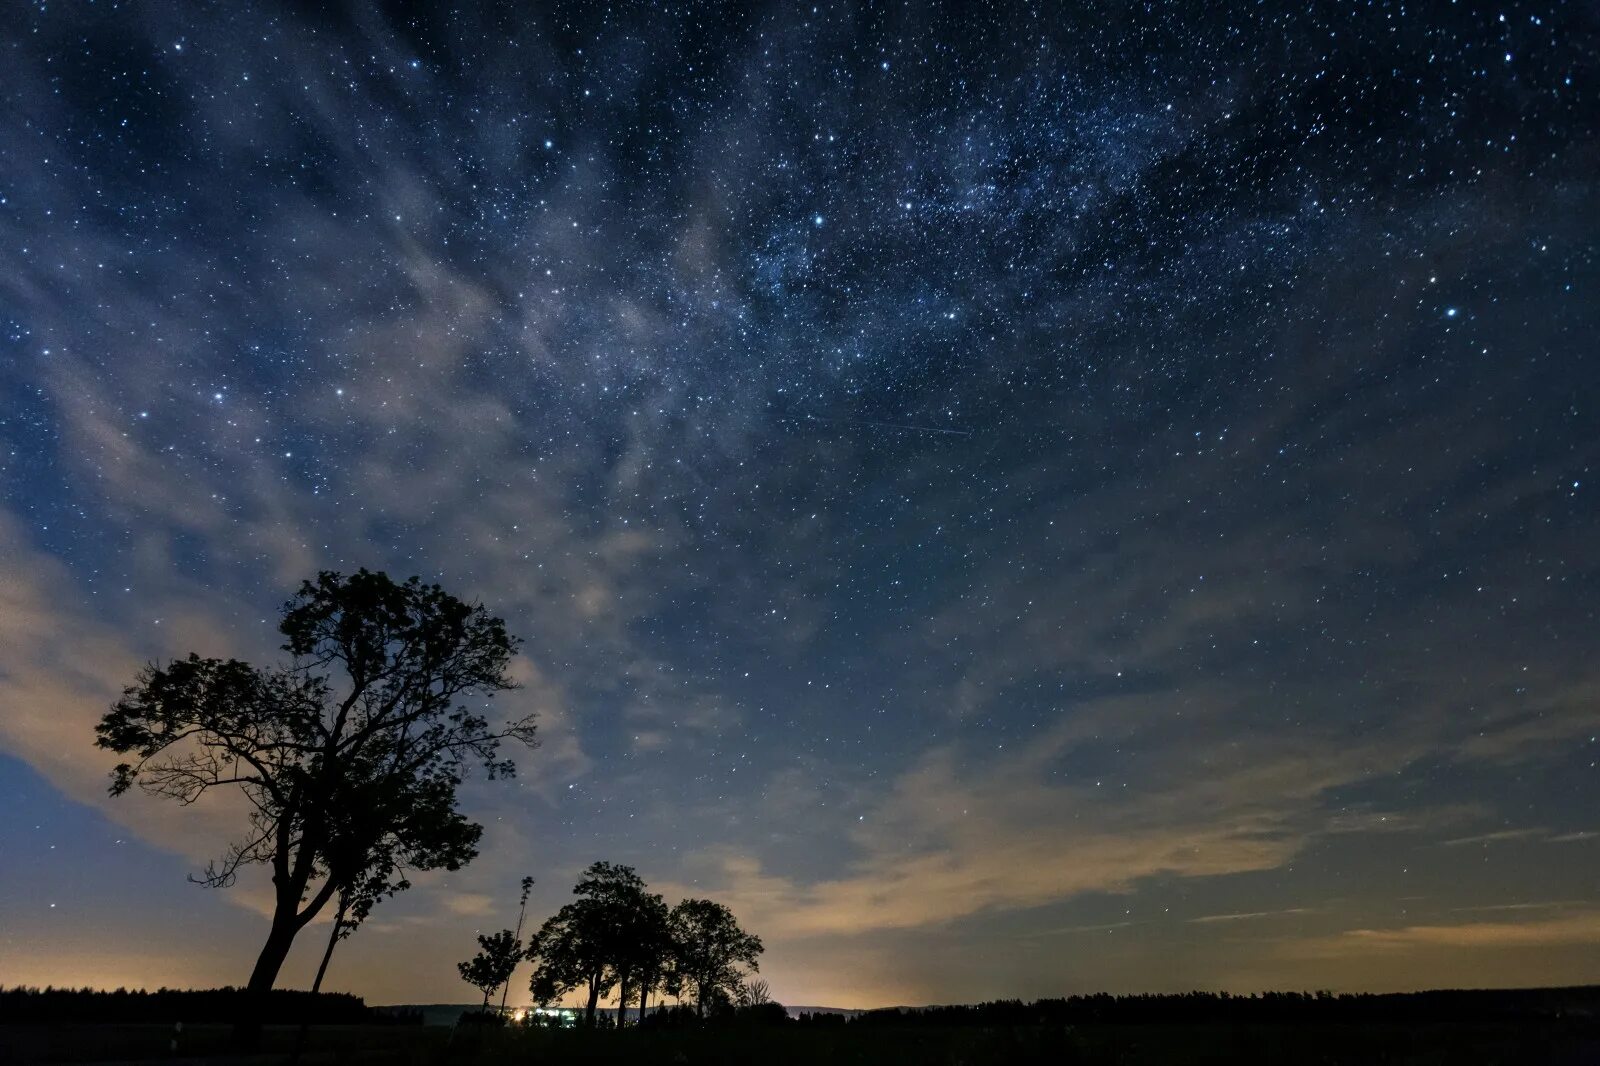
1015, 501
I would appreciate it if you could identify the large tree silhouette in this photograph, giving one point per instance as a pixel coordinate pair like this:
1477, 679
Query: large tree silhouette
350, 755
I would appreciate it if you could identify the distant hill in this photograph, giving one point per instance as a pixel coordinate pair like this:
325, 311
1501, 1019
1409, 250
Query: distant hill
848, 1012
447, 1013
432, 1013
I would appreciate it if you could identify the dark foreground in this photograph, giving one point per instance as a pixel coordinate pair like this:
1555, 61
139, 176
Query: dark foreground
1566, 1042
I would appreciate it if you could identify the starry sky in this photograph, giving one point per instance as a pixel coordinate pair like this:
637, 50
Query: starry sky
1015, 500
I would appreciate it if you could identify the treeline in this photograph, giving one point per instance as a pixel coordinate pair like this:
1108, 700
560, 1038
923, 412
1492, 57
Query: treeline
168, 1005
1449, 1005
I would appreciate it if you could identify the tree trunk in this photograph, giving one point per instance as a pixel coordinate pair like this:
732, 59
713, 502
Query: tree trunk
316, 985
520, 915
333, 938
594, 1000
273, 953
644, 1000
622, 1003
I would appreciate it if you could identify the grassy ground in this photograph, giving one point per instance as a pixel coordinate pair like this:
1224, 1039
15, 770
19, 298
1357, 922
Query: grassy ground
1559, 1044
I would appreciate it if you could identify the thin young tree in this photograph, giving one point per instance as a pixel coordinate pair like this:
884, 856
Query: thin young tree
522, 913
493, 965
350, 754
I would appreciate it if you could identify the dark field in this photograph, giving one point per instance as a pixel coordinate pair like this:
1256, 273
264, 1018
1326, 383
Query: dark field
1560, 1041
114, 1042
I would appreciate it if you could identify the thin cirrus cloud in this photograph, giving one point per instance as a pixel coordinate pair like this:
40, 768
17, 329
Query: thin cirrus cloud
1206, 919
1581, 928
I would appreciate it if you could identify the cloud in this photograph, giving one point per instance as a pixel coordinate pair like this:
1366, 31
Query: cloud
62, 666
1496, 837
958, 837
1250, 915
468, 904
1071, 929
1567, 930
1558, 904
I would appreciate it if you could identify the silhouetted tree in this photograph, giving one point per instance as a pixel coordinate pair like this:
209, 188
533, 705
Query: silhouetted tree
494, 963
522, 913
754, 993
350, 755
641, 931
566, 957
589, 943
708, 947
652, 955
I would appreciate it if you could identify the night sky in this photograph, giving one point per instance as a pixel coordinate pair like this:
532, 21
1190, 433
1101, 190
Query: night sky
1014, 501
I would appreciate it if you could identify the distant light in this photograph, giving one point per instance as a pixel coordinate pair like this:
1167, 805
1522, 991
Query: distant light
816, 220
549, 144
1450, 312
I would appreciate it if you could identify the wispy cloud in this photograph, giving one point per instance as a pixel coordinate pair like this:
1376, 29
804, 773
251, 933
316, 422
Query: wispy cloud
1543, 905
1580, 928
469, 904
1250, 915
1497, 837
1105, 927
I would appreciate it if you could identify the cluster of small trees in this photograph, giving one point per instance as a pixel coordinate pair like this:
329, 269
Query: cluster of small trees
1438, 1006
618, 936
